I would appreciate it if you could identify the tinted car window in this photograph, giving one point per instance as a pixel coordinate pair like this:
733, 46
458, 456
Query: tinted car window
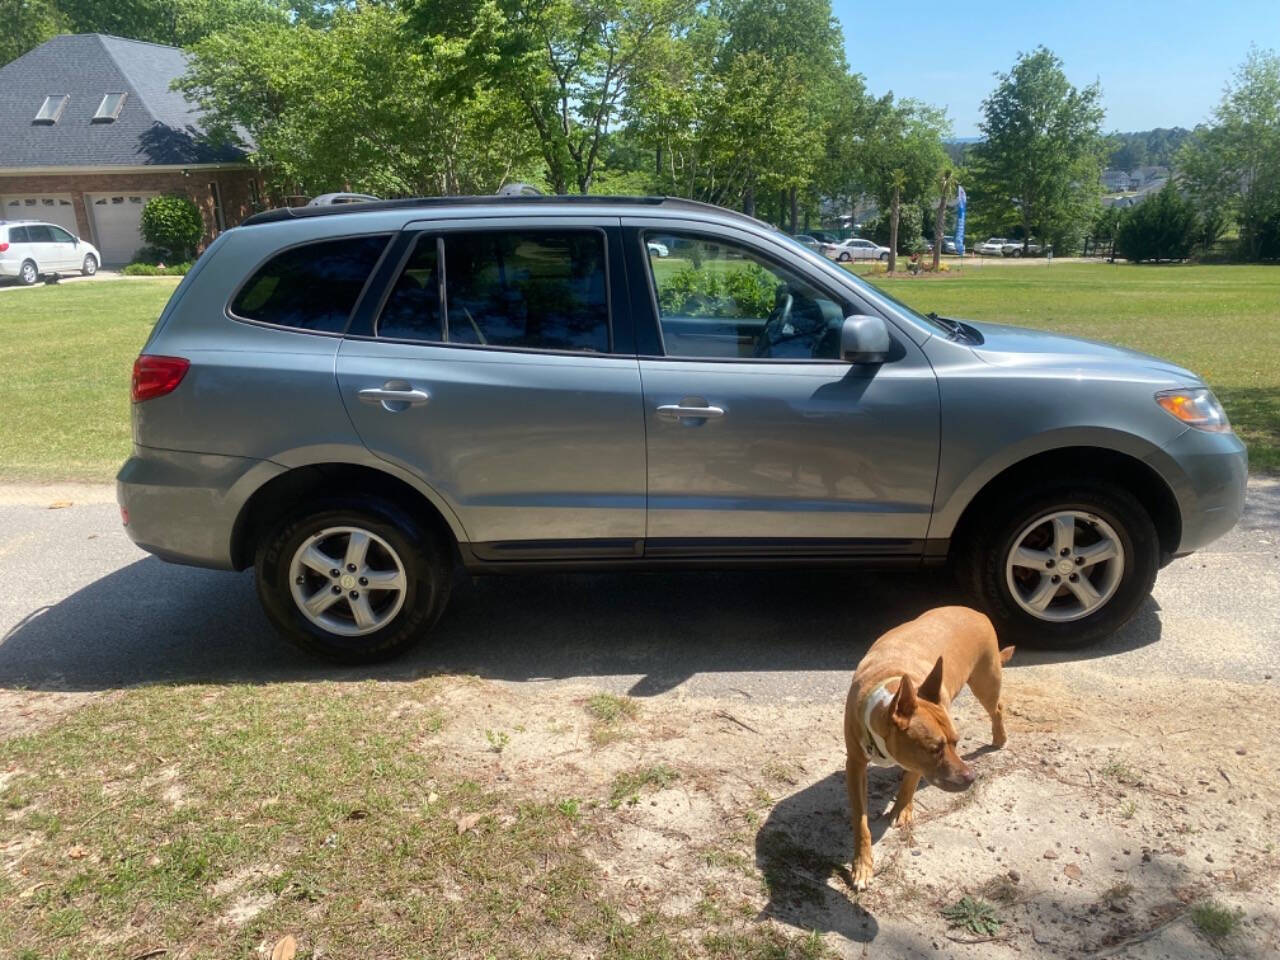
527, 288
61, 236
38, 233
412, 310
310, 287
18, 235
720, 299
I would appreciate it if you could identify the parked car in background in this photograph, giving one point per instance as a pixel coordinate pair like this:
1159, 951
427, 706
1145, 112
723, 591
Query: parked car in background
822, 236
657, 248
356, 400
855, 248
992, 247
949, 245
1014, 248
329, 199
808, 240
30, 249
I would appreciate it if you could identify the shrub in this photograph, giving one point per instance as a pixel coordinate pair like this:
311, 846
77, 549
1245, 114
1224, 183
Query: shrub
137, 269
1162, 227
173, 224
746, 292
910, 229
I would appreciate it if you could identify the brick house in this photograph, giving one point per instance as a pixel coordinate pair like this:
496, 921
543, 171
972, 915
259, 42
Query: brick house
90, 130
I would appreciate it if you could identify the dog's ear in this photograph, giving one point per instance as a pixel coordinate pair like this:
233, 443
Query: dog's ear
931, 689
904, 701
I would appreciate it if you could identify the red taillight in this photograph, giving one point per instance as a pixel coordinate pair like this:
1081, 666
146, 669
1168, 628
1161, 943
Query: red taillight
156, 376
3, 246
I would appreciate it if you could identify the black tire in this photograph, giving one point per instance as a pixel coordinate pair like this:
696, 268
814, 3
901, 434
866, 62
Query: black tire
90, 265
28, 273
425, 555
990, 538
845, 257
884, 256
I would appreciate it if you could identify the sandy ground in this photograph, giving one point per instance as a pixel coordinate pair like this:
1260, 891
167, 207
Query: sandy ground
1096, 828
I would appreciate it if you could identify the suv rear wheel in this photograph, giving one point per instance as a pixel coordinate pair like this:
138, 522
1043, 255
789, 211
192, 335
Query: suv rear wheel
354, 581
29, 273
1063, 567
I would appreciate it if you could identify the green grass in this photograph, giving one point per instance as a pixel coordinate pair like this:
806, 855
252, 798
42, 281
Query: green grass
1214, 920
154, 818
1222, 322
67, 355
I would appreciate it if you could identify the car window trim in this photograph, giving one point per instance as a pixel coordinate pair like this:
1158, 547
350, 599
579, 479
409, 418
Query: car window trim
532, 226
277, 251
846, 304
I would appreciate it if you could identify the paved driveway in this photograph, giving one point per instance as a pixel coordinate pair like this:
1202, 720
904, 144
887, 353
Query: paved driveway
83, 609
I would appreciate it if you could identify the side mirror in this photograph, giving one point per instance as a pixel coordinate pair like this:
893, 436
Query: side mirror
864, 339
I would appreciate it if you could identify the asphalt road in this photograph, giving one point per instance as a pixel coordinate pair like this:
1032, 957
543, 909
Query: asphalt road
82, 609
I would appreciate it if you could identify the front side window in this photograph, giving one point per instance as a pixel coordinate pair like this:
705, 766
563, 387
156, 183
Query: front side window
310, 287
61, 236
719, 299
532, 289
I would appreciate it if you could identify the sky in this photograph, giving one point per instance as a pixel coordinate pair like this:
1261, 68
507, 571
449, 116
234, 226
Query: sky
1161, 64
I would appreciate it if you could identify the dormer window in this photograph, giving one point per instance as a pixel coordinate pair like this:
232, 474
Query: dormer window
109, 108
52, 108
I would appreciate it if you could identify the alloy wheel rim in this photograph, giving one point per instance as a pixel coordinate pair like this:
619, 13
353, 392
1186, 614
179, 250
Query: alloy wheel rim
1065, 565
347, 581
28, 273
90, 265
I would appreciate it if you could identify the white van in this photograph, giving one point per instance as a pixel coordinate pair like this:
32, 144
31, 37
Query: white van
31, 248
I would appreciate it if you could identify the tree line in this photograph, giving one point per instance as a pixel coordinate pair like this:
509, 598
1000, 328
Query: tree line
750, 104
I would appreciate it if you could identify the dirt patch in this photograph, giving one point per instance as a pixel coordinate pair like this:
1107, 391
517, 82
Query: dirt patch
1097, 828
24, 712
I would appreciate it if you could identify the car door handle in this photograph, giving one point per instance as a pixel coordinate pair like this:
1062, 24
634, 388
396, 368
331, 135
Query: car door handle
395, 397
678, 411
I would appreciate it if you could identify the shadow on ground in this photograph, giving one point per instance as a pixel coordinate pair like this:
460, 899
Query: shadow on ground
151, 622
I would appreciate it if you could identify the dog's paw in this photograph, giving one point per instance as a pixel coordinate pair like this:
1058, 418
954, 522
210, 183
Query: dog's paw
861, 874
904, 817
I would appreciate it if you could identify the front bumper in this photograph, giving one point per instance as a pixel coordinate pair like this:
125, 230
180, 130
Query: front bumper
183, 506
1211, 474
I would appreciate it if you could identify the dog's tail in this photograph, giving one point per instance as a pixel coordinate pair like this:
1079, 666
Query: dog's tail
1006, 654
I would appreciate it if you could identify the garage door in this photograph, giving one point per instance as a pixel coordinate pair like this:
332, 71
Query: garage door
52, 208
116, 217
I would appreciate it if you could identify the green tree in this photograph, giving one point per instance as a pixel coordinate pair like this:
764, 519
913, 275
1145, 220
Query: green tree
1042, 149
27, 24
1233, 164
566, 63
364, 104
176, 22
1162, 227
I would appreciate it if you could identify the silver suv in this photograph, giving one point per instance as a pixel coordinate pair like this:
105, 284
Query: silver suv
356, 400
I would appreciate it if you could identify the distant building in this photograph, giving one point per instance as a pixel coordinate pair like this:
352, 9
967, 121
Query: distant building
92, 130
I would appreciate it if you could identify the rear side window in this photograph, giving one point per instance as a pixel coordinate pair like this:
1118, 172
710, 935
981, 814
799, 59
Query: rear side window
539, 289
18, 235
310, 287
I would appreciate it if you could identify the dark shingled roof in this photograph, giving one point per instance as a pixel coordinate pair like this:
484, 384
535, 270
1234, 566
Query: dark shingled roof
156, 125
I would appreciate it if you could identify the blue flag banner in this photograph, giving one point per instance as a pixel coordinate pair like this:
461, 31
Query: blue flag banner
961, 203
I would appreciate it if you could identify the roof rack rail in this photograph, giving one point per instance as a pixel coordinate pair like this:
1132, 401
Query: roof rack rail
586, 200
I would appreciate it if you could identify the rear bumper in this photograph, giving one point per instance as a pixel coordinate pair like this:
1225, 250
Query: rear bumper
183, 506
1213, 469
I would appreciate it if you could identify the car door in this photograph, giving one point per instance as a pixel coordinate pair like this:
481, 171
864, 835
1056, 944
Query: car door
65, 250
499, 368
760, 440
866, 250
42, 248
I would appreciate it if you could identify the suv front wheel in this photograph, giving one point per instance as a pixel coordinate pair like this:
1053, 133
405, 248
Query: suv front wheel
353, 581
1065, 567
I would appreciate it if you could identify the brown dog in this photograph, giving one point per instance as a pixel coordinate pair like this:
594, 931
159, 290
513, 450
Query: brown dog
896, 713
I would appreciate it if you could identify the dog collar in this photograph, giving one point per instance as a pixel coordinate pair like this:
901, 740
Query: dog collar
872, 743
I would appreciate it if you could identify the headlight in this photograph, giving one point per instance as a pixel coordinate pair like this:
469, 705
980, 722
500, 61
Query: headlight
1197, 408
